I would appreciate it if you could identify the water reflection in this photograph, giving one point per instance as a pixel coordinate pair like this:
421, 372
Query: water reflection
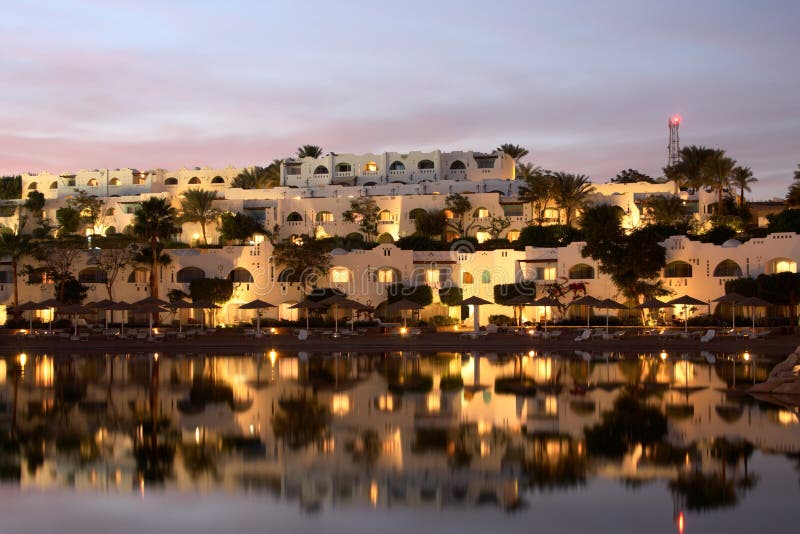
391, 429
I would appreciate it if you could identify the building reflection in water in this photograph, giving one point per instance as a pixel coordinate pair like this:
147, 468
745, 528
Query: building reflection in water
392, 429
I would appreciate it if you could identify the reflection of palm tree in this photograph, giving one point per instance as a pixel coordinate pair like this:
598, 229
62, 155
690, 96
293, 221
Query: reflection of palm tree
365, 448
299, 421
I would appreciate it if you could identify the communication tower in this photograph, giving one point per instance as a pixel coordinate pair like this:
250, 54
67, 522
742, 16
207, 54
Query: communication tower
674, 147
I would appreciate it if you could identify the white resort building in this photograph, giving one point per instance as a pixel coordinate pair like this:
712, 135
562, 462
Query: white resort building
312, 197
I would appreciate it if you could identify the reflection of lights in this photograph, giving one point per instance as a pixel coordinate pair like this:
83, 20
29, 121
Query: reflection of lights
551, 405
340, 404
197, 435
328, 445
252, 429
484, 427
663, 355
486, 449
273, 330
22, 359
532, 353
373, 493
746, 356
403, 330
44, 372
155, 356
386, 403
680, 523
273, 356
434, 402
785, 417
3, 371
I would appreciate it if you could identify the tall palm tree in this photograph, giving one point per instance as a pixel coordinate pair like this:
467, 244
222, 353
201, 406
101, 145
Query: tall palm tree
526, 171
691, 169
742, 177
793, 196
718, 171
538, 191
515, 151
153, 224
197, 206
309, 151
15, 245
666, 209
570, 191
259, 177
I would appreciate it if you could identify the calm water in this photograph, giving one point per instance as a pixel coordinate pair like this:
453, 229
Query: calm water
452, 442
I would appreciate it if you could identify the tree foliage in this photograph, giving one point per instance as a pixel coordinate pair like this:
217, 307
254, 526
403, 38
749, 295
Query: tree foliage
69, 220
570, 191
15, 246
238, 227
787, 220
548, 236
259, 177
515, 151
632, 176
216, 290
421, 294
197, 206
460, 206
504, 292
154, 224
309, 151
112, 255
10, 187
364, 212
304, 260
432, 223
451, 296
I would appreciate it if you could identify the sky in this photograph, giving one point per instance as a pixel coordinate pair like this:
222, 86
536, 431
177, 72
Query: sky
586, 87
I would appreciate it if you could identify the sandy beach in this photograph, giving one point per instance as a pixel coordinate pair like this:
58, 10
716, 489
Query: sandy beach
775, 347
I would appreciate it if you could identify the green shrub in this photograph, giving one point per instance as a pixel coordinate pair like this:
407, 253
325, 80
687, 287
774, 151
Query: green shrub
501, 320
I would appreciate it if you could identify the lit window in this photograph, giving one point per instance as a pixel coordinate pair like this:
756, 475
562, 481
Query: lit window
512, 235
385, 216
432, 276
340, 275
340, 404
482, 237
386, 275
370, 166
433, 402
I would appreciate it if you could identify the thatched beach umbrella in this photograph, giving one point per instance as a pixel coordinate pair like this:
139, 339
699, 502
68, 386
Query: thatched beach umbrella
476, 303
590, 302
611, 304
753, 303
31, 307
307, 304
686, 301
74, 310
257, 305
404, 304
123, 307
733, 299
150, 308
179, 304
653, 304
101, 305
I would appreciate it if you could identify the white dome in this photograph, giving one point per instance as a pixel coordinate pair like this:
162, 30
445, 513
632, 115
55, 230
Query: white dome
338, 252
731, 243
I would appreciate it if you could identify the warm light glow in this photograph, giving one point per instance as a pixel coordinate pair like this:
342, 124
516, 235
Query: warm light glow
386, 403
786, 418
373, 493
676, 119
663, 355
532, 353
434, 402
43, 375
273, 331
484, 427
155, 356
273, 356
746, 356
197, 435
340, 404
196, 236
680, 523
22, 359
551, 405
403, 330
486, 449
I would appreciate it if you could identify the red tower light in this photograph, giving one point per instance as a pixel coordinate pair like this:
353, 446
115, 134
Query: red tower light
676, 119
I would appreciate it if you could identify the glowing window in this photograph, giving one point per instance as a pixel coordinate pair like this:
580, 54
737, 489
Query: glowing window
432, 276
370, 166
512, 235
387, 275
385, 216
92, 182
340, 275
482, 237
467, 278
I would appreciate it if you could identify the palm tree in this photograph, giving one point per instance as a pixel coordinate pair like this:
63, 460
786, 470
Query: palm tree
515, 151
259, 177
537, 190
691, 169
153, 224
309, 151
742, 177
526, 171
718, 171
666, 209
570, 191
15, 245
793, 196
197, 206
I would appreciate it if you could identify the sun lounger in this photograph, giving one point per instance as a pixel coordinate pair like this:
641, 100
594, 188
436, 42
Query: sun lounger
586, 334
302, 335
708, 336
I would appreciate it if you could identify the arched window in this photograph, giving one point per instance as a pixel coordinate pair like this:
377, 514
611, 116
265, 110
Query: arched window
425, 164
344, 167
189, 274
486, 277
370, 166
385, 237
512, 235
33, 186
369, 184
171, 181
321, 169
467, 278
678, 269
727, 268
54, 185
194, 180
340, 275
781, 265
457, 165
416, 212
92, 182
448, 213
551, 214
397, 166
139, 276
385, 216
114, 181
387, 275
294, 217
92, 275
481, 212
324, 216
581, 271
240, 275
218, 180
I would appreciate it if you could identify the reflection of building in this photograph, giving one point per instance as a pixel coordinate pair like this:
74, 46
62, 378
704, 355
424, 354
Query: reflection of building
431, 448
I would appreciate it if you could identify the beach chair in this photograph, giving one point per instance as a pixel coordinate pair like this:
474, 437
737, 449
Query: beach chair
554, 334
586, 334
708, 336
302, 335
